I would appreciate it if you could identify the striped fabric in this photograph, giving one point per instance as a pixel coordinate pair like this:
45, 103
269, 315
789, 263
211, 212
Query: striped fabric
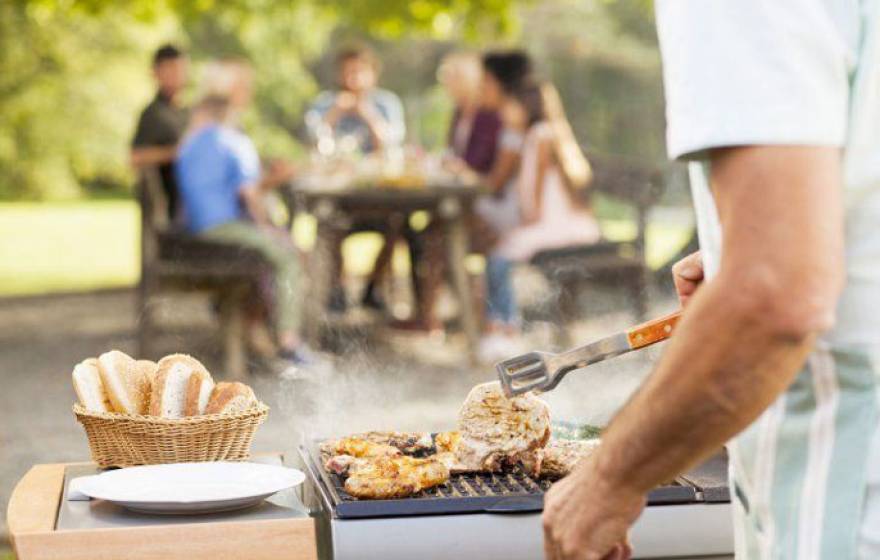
800, 473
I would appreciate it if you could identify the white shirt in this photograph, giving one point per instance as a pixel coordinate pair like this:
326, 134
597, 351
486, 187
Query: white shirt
783, 72
795, 72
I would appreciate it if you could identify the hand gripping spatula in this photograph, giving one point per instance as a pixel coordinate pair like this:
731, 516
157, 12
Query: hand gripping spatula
542, 371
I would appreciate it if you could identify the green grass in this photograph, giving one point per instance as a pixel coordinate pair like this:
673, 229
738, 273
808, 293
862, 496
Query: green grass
68, 247
64, 247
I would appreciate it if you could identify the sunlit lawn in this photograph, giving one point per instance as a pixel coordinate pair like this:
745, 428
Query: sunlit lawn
94, 244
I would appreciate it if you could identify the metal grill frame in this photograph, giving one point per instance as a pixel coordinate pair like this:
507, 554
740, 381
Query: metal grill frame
522, 493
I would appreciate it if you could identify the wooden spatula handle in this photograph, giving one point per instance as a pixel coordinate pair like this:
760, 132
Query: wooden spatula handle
652, 331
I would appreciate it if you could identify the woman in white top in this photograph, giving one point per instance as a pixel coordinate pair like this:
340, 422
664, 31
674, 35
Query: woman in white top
553, 172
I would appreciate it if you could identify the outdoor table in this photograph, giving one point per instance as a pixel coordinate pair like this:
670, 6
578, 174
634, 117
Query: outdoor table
333, 207
44, 525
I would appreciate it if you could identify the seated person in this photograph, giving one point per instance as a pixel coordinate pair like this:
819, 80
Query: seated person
359, 110
474, 129
360, 118
163, 121
222, 190
492, 148
552, 174
472, 142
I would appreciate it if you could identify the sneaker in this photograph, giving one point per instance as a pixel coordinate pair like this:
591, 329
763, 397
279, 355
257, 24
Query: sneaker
302, 355
302, 361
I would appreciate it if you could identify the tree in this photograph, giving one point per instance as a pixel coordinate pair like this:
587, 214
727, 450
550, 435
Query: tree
74, 74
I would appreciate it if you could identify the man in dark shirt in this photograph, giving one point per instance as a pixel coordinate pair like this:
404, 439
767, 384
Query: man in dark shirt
163, 121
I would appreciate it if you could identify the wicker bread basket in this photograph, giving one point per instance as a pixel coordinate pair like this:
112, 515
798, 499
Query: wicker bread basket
125, 440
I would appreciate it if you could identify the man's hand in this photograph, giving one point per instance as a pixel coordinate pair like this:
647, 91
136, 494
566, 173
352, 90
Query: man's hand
687, 274
586, 517
346, 101
278, 172
143, 156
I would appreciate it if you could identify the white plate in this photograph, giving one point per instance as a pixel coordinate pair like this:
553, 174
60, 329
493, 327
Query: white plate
188, 488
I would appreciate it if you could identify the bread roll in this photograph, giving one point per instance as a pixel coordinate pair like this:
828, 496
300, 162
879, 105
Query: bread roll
127, 385
149, 368
231, 398
89, 387
174, 382
198, 392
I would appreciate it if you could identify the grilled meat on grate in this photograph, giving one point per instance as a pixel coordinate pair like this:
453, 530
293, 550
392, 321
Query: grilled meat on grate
447, 441
559, 457
496, 431
382, 478
356, 446
409, 443
377, 443
495, 434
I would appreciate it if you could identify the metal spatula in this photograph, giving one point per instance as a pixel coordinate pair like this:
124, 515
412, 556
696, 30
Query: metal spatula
542, 371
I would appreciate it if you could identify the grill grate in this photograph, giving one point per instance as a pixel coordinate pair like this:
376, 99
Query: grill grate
474, 485
513, 491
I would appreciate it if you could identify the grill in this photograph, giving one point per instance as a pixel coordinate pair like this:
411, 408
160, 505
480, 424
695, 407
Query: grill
499, 516
510, 492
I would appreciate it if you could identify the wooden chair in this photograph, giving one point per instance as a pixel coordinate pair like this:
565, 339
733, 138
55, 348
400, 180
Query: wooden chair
612, 263
172, 260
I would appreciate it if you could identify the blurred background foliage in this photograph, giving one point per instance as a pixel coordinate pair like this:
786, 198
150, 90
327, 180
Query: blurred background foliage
74, 74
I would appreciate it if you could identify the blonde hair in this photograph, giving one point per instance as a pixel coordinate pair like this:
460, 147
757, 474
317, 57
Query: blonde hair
461, 71
574, 165
466, 65
221, 77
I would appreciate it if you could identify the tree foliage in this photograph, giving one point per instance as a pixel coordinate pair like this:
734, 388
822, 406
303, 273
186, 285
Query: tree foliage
75, 73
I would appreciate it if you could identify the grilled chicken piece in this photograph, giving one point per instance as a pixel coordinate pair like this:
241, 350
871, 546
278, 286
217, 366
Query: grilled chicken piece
383, 478
496, 431
560, 457
357, 447
446, 444
409, 443
447, 441
339, 464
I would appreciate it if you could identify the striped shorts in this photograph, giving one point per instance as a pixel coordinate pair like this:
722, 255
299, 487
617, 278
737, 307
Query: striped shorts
805, 477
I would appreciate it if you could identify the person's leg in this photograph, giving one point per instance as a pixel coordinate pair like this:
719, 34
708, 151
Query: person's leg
431, 270
502, 326
415, 242
282, 258
501, 309
381, 267
391, 231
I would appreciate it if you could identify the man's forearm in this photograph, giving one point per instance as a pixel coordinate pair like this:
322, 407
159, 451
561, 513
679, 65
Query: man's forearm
746, 333
253, 201
152, 155
735, 367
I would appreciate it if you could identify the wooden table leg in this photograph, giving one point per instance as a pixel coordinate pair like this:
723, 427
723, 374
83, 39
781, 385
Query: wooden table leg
320, 265
457, 240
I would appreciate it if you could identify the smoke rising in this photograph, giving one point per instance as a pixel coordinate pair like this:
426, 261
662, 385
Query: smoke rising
409, 382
